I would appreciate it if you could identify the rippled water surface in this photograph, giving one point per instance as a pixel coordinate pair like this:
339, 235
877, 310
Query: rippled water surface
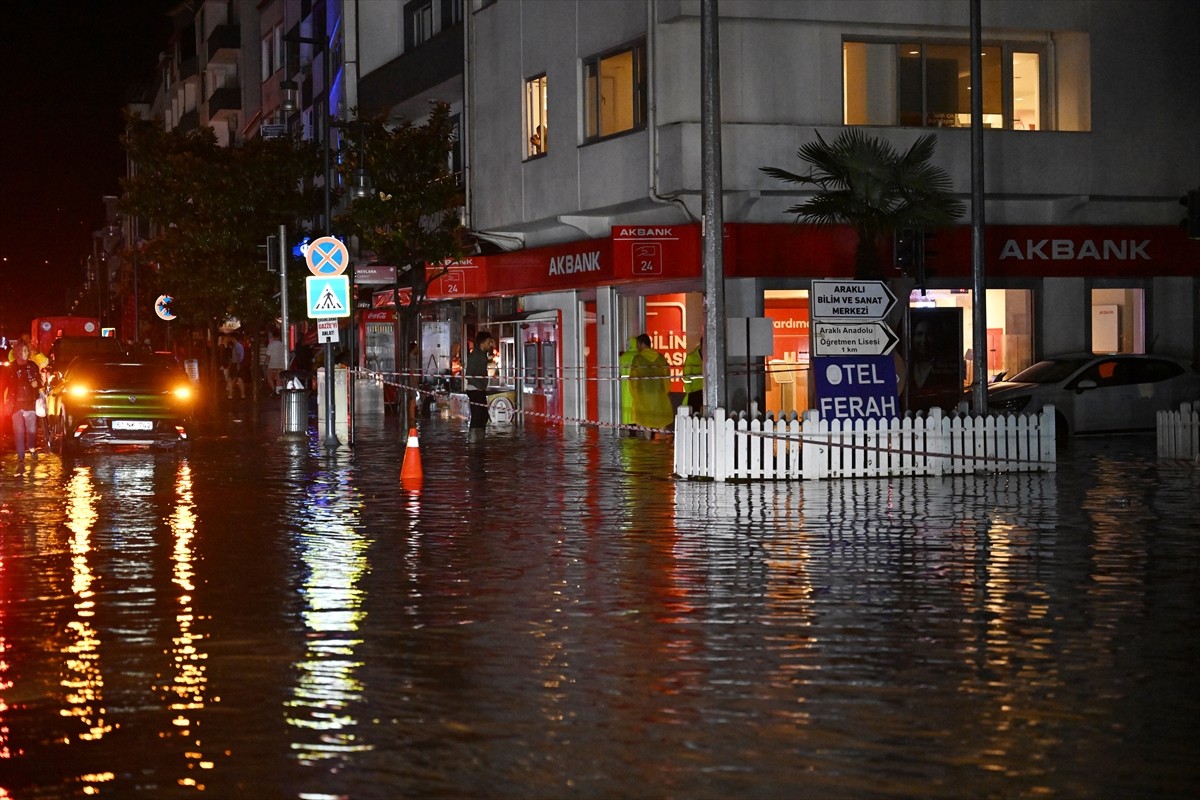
553, 616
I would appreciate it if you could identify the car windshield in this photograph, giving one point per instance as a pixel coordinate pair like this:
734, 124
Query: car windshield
1052, 370
126, 377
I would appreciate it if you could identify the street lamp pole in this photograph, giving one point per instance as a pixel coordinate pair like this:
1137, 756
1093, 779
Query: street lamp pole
331, 440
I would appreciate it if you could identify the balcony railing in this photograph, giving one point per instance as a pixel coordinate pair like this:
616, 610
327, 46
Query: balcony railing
224, 43
227, 98
189, 67
189, 121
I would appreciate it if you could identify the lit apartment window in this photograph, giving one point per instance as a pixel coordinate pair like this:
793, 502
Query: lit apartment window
535, 117
418, 22
928, 85
614, 92
1027, 91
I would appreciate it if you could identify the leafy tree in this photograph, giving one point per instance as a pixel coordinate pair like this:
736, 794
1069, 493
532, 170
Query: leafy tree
865, 183
411, 217
210, 208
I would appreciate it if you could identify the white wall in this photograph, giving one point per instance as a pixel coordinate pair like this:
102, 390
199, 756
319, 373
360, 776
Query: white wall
781, 79
380, 32
1172, 316
1063, 317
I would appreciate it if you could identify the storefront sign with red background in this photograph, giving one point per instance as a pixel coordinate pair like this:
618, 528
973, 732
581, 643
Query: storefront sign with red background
651, 254
655, 253
1058, 251
575, 265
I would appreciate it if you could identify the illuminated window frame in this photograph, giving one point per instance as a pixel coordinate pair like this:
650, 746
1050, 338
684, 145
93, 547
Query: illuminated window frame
536, 129
896, 83
614, 92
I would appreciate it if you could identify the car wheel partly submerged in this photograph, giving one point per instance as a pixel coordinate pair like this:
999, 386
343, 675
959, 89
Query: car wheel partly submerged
59, 434
1062, 433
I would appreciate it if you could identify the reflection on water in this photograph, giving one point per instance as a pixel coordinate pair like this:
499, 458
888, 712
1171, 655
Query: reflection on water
553, 616
82, 681
326, 507
186, 692
6, 683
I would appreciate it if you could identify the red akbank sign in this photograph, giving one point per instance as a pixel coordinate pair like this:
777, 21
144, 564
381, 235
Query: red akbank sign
655, 253
575, 265
1068, 251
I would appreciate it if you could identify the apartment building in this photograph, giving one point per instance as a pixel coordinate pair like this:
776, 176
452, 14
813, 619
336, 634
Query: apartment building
583, 154
581, 151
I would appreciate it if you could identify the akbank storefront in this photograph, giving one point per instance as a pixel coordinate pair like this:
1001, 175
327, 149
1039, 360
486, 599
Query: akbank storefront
564, 313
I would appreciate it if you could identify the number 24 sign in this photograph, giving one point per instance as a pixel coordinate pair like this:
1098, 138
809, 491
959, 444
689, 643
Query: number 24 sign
647, 258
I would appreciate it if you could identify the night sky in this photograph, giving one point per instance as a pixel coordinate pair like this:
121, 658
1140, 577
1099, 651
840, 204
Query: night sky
68, 69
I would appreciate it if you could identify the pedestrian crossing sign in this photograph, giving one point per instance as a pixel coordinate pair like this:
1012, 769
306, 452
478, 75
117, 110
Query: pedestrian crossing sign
328, 296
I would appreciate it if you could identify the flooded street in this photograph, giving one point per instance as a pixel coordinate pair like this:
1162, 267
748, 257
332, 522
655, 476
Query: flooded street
553, 616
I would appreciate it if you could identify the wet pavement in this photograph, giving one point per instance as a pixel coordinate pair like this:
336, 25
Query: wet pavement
553, 616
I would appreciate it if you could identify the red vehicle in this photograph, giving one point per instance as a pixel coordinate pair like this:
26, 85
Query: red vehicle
45, 330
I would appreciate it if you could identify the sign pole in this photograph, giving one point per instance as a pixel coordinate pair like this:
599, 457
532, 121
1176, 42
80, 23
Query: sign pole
328, 298
331, 440
283, 298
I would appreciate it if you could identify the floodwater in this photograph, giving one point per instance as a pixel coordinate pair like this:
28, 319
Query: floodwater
553, 616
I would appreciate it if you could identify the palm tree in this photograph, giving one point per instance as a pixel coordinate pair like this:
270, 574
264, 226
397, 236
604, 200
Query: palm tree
864, 183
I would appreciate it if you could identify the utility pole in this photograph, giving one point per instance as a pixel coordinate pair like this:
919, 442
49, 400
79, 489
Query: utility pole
713, 226
979, 284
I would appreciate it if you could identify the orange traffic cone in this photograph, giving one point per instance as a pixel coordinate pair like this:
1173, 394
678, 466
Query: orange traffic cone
410, 471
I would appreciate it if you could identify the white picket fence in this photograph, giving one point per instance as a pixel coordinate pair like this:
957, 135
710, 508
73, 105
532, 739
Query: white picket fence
1179, 433
809, 448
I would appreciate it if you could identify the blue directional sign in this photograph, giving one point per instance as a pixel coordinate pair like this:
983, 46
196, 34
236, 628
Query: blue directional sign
856, 388
327, 256
328, 297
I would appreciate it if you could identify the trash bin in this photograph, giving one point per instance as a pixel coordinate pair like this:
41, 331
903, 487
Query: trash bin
295, 413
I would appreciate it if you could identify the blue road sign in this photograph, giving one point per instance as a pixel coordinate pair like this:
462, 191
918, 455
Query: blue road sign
328, 297
327, 256
856, 388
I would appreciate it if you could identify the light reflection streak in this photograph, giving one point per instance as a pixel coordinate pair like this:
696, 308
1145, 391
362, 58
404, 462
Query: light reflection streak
83, 680
5, 685
334, 553
187, 692
1008, 646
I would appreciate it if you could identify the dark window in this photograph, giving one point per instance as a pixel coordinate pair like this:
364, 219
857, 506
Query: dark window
452, 13
418, 23
1152, 370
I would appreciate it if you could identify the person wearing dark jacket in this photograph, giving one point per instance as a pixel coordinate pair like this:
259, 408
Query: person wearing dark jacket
20, 398
476, 375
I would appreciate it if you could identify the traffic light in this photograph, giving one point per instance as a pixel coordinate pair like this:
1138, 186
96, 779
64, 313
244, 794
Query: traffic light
905, 249
1191, 222
268, 254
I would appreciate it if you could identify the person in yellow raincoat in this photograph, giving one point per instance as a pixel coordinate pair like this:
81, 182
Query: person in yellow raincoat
625, 362
651, 384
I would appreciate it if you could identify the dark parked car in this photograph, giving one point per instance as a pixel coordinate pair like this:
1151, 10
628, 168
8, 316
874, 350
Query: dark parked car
1099, 394
119, 402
